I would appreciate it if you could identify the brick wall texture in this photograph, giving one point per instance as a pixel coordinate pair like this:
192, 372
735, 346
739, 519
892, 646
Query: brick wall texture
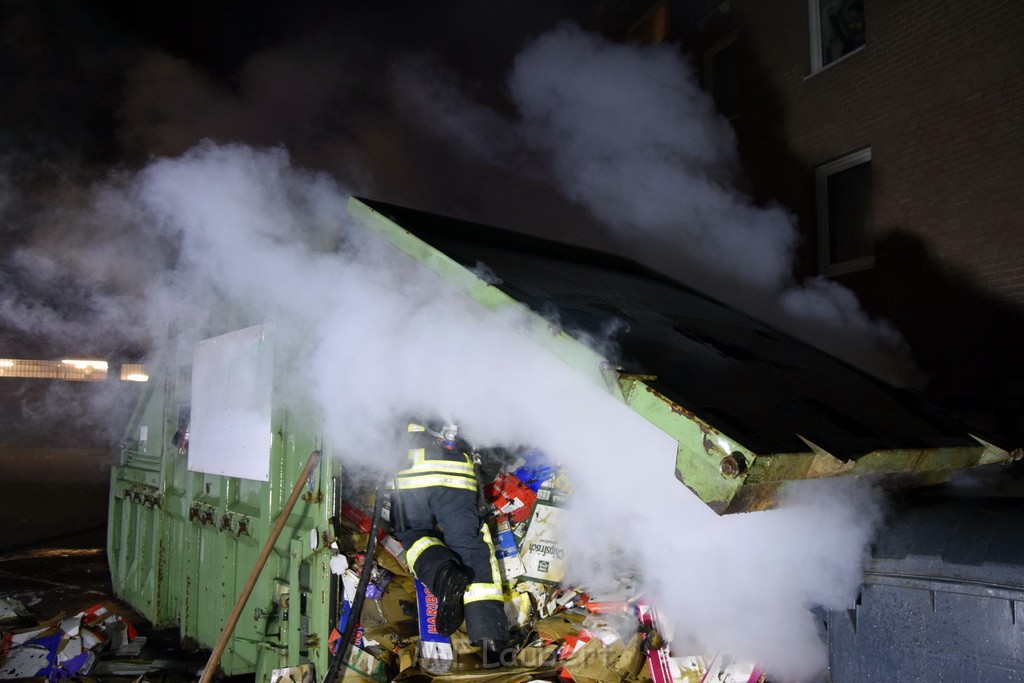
937, 93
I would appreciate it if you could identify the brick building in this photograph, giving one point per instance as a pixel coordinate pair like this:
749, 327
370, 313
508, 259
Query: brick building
895, 131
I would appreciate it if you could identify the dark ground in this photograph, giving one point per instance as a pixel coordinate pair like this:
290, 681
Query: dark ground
53, 507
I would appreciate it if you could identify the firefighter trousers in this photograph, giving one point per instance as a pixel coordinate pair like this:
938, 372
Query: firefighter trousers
463, 539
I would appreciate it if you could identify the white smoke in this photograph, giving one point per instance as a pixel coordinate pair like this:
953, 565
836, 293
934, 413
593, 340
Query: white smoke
227, 235
631, 135
373, 335
627, 132
241, 236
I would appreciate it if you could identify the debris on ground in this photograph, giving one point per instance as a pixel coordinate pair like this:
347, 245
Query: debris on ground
64, 647
564, 633
102, 641
12, 611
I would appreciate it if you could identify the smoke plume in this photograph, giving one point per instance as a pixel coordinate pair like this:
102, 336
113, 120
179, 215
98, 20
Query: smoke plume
371, 335
628, 133
217, 236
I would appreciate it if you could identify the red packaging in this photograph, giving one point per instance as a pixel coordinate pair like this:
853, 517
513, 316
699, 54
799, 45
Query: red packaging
510, 496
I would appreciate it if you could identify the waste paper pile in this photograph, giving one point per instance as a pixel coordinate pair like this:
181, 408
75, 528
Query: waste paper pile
565, 632
62, 647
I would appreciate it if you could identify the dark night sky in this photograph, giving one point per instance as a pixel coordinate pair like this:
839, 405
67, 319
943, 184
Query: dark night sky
91, 87
482, 111
66, 65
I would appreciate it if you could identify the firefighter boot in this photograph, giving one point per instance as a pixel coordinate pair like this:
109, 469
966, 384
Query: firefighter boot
449, 585
495, 653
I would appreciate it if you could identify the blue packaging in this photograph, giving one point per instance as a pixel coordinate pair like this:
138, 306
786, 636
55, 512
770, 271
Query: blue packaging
506, 541
535, 470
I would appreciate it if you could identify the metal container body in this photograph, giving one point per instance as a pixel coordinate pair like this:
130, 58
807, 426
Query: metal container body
182, 543
943, 598
213, 449
750, 407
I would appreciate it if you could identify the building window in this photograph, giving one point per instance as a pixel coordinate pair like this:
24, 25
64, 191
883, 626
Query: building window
652, 27
69, 369
837, 29
846, 224
721, 74
133, 372
78, 370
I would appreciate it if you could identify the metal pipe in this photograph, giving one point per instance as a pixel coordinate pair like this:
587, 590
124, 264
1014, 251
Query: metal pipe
357, 601
399, 522
268, 547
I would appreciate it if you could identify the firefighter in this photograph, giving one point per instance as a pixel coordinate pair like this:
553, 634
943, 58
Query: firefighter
447, 544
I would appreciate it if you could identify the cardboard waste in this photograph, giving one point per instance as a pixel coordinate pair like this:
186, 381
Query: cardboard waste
566, 633
62, 647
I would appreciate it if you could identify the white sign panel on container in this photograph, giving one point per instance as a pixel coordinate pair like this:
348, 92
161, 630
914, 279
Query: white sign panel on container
232, 382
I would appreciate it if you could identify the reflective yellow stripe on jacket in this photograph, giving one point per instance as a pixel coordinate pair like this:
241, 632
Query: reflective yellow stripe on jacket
423, 473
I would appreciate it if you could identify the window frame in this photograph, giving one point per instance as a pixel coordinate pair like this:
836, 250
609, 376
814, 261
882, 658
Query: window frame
814, 31
821, 176
709, 71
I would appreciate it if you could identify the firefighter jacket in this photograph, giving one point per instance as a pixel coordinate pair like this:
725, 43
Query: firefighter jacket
435, 466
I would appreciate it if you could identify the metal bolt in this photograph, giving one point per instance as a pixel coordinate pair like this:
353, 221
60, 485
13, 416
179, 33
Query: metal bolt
733, 465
